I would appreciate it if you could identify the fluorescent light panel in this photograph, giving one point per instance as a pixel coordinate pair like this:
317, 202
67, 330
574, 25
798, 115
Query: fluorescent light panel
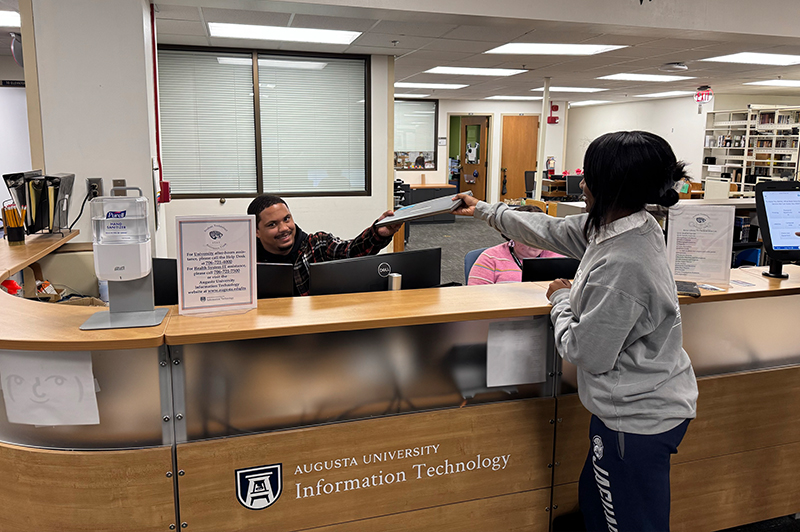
668, 94
777, 83
644, 77
530, 48
273, 63
431, 86
9, 19
587, 102
281, 33
398, 95
753, 58
530, 98
570, 89
467, 71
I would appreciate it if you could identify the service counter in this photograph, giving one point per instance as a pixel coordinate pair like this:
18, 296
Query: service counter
371, 412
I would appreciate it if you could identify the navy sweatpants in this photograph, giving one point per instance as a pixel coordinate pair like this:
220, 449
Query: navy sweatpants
624, 486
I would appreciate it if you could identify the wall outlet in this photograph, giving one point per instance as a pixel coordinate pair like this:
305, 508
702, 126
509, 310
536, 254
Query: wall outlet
94, 186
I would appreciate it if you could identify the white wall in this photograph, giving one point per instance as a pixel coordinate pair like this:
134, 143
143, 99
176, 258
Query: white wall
493, 109
343, 216
95, 88
555, 137
15, 150
732, 102
675, 119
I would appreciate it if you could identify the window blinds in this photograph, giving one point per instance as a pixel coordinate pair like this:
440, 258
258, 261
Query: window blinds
207, 122
414, 125
313, 123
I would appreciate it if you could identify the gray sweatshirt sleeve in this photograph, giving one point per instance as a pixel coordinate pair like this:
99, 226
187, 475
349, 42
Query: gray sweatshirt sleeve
594, 341
538, 230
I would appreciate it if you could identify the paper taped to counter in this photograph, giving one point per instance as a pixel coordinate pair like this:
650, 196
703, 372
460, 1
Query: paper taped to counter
49, 388
516, 352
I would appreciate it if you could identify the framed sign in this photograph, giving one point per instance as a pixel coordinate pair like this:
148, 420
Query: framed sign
216, 263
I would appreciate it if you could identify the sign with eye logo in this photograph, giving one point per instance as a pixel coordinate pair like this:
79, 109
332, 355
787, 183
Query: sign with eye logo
700, 242
47, 388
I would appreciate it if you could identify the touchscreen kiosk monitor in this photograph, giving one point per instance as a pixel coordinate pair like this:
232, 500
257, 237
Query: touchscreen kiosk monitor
574, 185
419, 269
165, 281
778, 207
549, 269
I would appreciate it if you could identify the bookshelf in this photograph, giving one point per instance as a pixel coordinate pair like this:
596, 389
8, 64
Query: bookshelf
751, 145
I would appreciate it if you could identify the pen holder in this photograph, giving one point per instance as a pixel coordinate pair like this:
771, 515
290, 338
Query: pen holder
12, 223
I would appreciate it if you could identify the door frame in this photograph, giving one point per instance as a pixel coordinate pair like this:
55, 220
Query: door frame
500, 145
489, 148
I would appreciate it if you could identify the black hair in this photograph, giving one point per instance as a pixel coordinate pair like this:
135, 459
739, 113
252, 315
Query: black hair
524, 208
626, 170
264, 201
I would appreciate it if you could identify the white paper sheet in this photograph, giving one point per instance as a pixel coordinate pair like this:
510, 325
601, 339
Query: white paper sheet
48, 388
516, 352
700, 242
216, 263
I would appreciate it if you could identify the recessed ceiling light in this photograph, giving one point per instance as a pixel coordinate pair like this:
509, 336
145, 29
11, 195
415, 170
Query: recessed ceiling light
753, 58
777, 83
571, 89
431, 86
466, 71
644, 77
281, 33
273, 63
398, 95
531, 48
668, 94
673, 67
9, 19
587, 102
531, 98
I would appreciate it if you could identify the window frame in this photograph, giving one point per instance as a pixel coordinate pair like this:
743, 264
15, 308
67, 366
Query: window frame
254, 52
435, 136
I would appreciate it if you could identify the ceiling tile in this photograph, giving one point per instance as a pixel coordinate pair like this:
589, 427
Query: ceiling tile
180, 27
385, 40
177, 12
377, 50
182, 40
237, 16
418, 29
489, 33
332, 23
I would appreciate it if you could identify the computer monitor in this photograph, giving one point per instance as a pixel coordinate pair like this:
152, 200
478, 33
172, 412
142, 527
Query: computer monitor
419, 269
530, 181
574, 185
778, 207
274, 280
549, 269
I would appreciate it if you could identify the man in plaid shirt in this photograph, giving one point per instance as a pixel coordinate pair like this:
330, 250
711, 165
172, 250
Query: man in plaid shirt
280, 240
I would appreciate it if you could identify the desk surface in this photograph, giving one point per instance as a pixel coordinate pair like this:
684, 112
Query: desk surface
15, 258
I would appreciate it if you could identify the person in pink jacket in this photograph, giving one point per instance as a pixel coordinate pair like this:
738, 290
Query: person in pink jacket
503, 263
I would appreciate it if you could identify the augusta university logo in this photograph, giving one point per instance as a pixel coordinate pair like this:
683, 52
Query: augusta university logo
259, 487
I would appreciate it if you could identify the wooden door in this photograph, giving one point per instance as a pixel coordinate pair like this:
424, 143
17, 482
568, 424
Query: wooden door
474, 164
520, 137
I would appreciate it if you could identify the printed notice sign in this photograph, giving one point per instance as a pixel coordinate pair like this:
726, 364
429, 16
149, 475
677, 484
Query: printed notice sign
700, 241
515, 352
216, 263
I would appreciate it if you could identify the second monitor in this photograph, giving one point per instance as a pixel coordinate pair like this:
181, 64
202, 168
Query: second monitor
419, 269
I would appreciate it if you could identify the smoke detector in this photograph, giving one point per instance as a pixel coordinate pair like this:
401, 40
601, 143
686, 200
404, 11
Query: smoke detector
673, 67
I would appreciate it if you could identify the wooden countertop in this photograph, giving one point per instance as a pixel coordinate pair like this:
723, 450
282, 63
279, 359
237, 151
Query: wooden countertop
15, 258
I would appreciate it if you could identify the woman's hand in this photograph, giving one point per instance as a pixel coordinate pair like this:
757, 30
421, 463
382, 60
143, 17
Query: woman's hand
467, 207
558, 284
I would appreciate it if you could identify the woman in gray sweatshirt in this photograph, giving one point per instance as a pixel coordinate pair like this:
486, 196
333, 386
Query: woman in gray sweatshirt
619, 322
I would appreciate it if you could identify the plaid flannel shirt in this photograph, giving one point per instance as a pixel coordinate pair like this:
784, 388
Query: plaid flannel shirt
321, 247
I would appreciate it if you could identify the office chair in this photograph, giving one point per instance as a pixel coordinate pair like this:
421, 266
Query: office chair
469, 260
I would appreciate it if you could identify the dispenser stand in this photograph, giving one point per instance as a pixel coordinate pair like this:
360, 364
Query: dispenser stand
130, 305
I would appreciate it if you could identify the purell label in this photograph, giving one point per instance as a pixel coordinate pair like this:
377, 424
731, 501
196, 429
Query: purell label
115, 214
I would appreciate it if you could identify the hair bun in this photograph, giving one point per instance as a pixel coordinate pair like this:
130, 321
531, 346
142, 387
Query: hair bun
678, 171
668, 198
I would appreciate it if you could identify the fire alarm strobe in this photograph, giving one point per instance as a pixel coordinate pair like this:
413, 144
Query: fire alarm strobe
552, 119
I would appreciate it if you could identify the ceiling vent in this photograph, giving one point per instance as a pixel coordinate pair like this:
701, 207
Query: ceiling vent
673, 67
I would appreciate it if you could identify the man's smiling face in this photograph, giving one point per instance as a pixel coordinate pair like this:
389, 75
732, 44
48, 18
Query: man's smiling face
276, 229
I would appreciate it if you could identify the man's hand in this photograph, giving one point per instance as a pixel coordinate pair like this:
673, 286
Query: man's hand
467, 207
388, 230
558, 284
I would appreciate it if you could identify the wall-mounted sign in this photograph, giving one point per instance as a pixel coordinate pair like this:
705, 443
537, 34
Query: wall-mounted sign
12, 83
216, 263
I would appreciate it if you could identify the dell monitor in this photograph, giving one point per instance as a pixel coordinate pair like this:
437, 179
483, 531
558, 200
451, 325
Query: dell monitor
574, 185
530, 182
778, 207
419, 269
274, 280
549, 269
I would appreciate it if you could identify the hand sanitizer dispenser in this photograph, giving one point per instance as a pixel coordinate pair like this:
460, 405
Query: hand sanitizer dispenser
121, 244
121, 238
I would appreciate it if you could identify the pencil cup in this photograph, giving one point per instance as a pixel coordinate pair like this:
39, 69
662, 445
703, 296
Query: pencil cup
395, 280
12, 224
